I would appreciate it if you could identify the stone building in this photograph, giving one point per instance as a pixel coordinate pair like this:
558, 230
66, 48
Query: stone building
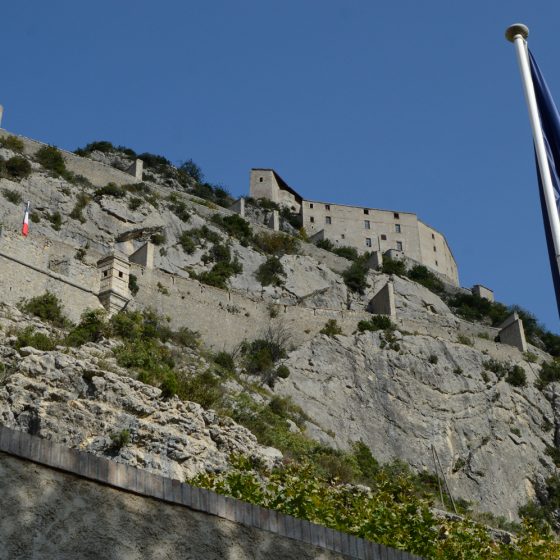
366, 229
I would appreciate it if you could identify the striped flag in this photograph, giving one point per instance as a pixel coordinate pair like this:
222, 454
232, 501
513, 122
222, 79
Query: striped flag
550, 126
25, 227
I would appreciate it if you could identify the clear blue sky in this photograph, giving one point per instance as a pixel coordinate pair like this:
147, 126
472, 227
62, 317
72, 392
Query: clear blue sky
409, 105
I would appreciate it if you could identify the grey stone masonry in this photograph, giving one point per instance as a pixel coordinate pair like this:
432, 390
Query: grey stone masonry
383, 302
513, 333
113, 291
482, 292
274, 222
238, 207
136, 169
144, 256
138, 481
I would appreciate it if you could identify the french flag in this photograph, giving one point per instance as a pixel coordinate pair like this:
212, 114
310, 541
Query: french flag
25, 227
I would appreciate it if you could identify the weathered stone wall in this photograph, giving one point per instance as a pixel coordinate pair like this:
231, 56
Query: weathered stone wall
50, 513
98, 173
31, 266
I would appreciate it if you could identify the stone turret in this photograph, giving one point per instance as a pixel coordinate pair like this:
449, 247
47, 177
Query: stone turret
113, 291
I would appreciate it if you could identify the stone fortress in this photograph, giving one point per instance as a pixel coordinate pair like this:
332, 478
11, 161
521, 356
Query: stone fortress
399, 234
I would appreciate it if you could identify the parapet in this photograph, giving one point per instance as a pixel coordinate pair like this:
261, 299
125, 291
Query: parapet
482, 292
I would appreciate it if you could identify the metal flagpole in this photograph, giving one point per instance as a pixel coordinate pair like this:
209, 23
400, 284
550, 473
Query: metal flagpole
517, 34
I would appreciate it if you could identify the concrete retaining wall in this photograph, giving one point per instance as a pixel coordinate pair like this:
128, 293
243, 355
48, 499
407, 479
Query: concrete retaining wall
130, 479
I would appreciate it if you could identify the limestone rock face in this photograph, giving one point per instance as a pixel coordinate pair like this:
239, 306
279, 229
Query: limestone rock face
401, 396
71, 399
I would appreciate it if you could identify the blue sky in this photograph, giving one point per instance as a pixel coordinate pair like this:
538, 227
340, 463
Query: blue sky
414, 106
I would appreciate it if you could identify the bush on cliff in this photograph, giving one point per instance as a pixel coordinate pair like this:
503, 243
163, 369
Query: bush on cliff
12, 143
235, 226
271, 272
51, 158
17, 168
355, 276
47, 307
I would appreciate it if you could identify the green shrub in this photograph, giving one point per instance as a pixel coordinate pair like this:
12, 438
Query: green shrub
56, 220
282, 371
158, 238
235, 226
133, 284
549, 373
105, 147
170, 385
499, 368
47, 307
179, 208
355, 276
225, 360
34, 217
203, 388
271, 272
120, 440
331, 328
18, 167
12, 143
344, 251
530, 357
377, 323
393, 266
187, 243
110, 189
82, 200
426, 278
41, 341
134, 203
193, 170
220, 273
516, 376
12, 196
464, 339
91, 328
276, 244
186, 337
432, 359
51, 159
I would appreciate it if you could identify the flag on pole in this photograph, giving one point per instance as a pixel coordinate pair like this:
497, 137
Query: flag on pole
550, 126
25, 227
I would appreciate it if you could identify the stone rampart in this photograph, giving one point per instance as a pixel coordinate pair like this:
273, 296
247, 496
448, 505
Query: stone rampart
29, 526
99, 174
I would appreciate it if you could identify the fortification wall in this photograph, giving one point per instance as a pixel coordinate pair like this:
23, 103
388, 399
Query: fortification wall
31, 266
96, 172
95, 508
225, 318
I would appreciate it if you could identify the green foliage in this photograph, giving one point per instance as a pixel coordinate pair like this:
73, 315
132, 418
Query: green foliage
464, 339
432, 359
530, 357
344, 251
56, 220
134, 203
355, 276
294, 219
235, 226
120, 439
110, 189
170, 385
192, 238
276, 244
225, 360
214, 194
147, 356
393, 266
51, 159
224, 268
282, 371
18, 167
30, 337
133, 284
331, 328
497, 367
428, 279
12, 143
193, 170
158, 238
12, 196
179, 208
47, 307
271, 272
517, 377
377, 323
105, 147
91, 328
156, 162
82, 200
549, 373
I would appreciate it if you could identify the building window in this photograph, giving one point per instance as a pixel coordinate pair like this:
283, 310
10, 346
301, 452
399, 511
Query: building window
311, 205
327, 206
260, 179
105, 272
399, 245
398, 228
437, 263
367, 224
384, 238
120, 274
368, 242
312, 219
396, 215
433, 236
328, 220
366, 211
435, 248
342, 236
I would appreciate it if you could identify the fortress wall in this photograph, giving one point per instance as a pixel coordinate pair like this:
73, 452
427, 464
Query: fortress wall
31, 266
91, 507
98, 173
224, 318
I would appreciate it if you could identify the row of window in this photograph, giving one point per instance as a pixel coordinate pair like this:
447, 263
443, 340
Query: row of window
396, 215
399, 243
367, 223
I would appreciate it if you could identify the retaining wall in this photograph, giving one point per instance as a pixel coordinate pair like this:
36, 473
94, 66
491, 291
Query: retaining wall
263, 523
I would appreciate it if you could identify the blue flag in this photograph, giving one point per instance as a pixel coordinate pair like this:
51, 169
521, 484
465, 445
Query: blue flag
550, 124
